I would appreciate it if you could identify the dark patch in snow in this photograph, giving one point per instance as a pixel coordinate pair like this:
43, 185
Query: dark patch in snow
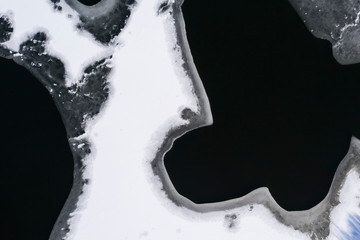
104, 28
6, 29
85, 181
187, 114
230, 220
83, 101
56, 5
164, 6
33, 56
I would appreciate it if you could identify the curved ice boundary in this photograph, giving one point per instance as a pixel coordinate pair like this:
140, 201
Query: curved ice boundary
336, 21
123, 79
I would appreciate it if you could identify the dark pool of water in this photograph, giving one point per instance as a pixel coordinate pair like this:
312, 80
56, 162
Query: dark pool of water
36, 162
284, 110
89, 2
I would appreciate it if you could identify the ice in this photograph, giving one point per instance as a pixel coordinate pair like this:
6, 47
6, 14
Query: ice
124, 81
75, 48
335, 21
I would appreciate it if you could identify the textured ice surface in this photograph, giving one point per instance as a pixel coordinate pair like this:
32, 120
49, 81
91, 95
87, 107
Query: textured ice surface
123, 79
336, 21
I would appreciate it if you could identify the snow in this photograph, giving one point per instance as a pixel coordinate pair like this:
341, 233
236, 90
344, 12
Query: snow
349, 206
76, 49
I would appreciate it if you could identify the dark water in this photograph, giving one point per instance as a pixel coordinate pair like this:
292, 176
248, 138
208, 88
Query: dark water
36, 162
89, 2
284, 110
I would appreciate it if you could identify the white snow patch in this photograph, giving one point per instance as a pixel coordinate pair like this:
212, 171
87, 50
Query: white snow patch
349, 204
75, 48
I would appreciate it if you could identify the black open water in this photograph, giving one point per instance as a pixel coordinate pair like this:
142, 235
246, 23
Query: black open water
36, 163
89, 2
284, 110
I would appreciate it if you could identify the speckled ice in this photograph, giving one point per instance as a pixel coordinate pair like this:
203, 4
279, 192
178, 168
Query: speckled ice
76, 49
150, 87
